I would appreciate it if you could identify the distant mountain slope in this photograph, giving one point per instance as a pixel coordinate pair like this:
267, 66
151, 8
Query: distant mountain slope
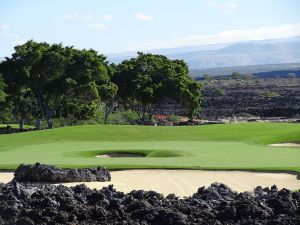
244, 55
252, 69
237, 54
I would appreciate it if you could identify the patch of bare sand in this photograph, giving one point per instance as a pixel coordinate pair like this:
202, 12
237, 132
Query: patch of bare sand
6, 177
286, 145
186, 182
109, 155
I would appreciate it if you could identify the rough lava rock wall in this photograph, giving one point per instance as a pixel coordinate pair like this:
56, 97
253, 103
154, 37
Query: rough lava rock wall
46, 173
29, 204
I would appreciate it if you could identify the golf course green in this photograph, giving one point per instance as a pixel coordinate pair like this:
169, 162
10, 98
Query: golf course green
241, 146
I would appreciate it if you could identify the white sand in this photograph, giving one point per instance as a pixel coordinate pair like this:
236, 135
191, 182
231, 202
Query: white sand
186, 182
285, 145
112, 155
102, 156
6, 177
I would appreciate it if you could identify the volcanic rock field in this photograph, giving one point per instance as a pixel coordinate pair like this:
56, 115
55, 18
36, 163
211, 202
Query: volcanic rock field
28, 203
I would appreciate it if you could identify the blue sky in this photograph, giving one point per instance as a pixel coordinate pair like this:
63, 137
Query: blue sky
122, 25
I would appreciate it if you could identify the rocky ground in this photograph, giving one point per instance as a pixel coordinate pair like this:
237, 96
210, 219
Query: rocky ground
28, 204
271, 97
51, 174
262, 97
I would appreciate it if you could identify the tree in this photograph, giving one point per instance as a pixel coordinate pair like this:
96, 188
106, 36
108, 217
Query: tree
207, 77
40, 66
87, 81
64, 81
219, 92
108, 93
236, 75
23, 107
146, 81
3, 96
20, 100
2, 86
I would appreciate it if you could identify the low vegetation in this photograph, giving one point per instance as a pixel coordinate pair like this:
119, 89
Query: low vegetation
270, 94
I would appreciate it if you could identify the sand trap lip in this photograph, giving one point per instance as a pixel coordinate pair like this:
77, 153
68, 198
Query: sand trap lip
186, 182
119, 154
285, 145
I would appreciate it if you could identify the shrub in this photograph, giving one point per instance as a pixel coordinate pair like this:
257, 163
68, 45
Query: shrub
219, 92
270, 94
122, 117
174, 119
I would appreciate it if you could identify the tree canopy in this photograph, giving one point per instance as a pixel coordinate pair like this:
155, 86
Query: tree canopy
63, 81
146, 81
43, 81
2, 93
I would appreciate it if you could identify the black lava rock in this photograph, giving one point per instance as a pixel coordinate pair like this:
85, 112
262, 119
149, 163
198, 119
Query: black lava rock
34, 203
46, 173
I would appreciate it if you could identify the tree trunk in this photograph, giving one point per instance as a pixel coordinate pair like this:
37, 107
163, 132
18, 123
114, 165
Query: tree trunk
108, 109
143, 115
143, 118
20, 120
49, 123
46, 112
105, 116
48, 119
49, 114
37, 123
21, 124
150, 117
191, 116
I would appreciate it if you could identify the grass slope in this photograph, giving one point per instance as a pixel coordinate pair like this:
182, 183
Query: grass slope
231, 146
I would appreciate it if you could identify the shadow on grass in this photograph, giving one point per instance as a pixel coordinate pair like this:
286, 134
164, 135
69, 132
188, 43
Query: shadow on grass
125, 153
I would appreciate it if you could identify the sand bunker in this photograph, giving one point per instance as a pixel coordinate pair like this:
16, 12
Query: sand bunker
286, 145
119, 154
186, 182
6, 177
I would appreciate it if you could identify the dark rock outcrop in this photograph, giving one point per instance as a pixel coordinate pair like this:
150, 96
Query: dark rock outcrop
246, 97
189, 123
11, 130
46, 173
225, 98
48, 204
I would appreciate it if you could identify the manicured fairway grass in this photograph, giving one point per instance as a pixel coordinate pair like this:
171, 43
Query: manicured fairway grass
231, 146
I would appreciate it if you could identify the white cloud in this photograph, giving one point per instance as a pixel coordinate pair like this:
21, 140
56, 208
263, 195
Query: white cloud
107, 17
227, 36
4, 26
142, 16
12, 35
89, 20
15, 39
229, 7
75, 16
88, 17
72, 16
18, 42
97, 26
